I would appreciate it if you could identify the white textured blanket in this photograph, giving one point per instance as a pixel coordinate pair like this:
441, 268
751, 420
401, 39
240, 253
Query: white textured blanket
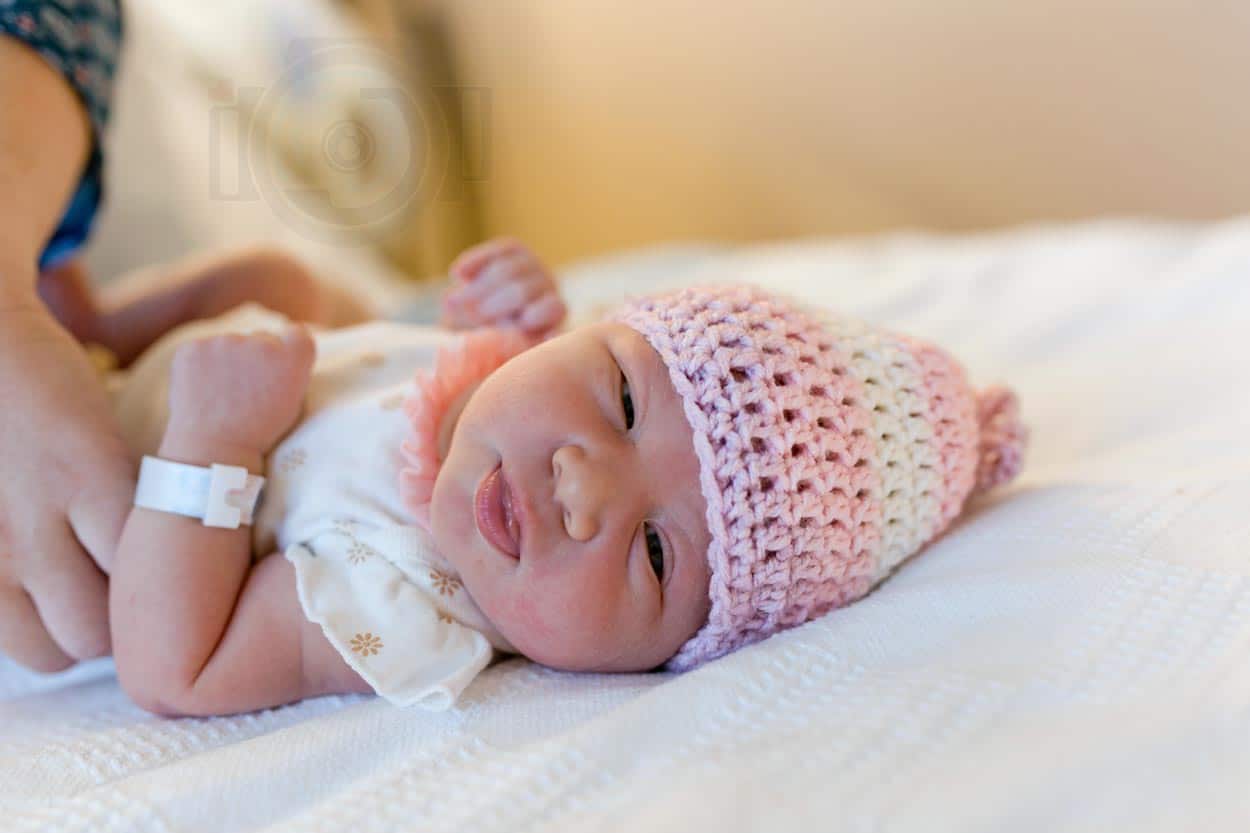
1074, 655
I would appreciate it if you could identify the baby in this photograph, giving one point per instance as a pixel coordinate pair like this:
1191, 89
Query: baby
701, 470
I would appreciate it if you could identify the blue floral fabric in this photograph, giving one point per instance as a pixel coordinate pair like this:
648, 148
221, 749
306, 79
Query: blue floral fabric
81, 39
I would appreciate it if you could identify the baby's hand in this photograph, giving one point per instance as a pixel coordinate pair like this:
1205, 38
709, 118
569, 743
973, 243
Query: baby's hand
244, 391
502, 283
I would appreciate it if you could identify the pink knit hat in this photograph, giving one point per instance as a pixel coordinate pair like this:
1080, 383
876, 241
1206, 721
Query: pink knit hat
829, 451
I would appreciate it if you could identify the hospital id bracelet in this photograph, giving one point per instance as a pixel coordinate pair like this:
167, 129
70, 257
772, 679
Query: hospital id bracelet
221, 496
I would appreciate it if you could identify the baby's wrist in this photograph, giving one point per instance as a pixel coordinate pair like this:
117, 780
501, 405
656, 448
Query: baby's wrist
184, 444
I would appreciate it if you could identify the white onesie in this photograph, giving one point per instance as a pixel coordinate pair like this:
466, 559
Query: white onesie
385, 599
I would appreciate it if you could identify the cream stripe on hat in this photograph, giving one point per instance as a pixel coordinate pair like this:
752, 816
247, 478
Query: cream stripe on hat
902, 433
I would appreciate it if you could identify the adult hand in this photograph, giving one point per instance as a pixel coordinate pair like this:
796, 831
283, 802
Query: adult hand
65, 477
66, 485
66, 291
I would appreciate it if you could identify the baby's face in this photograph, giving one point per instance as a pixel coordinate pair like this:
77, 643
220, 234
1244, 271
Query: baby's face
569, 502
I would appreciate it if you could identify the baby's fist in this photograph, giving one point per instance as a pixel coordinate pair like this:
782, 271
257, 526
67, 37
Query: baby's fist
245, 390
502, 283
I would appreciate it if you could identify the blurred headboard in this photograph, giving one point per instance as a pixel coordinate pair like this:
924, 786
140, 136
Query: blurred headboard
599, 125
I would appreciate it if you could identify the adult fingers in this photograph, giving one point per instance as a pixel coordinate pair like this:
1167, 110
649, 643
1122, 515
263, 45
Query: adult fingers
70, 594
66, 291
543, 314
23, 638
98, 511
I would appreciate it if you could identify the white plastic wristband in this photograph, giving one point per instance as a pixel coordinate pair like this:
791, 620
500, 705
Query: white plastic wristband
222, 496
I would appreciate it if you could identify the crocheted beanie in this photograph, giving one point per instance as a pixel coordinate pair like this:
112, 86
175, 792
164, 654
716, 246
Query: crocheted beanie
829, 451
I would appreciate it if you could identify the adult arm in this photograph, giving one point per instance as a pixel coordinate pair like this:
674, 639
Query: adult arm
67, 478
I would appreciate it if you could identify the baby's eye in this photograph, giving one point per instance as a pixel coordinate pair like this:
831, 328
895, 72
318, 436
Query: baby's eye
655, 550
627, 403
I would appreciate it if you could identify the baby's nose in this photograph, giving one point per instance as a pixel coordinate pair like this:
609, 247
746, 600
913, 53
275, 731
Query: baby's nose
580, 491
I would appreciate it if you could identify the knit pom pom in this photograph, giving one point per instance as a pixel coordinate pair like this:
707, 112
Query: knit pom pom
1002, 437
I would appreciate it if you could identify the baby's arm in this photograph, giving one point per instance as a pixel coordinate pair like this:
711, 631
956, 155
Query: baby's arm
143, 308
503, 283
196, 628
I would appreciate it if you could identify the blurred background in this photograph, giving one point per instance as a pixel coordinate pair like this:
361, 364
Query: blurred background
400, 131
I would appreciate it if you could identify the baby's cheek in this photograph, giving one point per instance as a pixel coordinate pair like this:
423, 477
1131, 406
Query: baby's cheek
529, 617
563, 627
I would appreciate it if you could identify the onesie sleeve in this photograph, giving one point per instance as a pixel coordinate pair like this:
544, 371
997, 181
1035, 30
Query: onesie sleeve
387, 626
82, 40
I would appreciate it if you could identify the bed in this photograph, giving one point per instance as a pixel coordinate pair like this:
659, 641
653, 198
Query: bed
1072, 656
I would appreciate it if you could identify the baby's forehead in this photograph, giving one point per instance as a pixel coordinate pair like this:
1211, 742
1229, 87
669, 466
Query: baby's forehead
642, 357
620, 341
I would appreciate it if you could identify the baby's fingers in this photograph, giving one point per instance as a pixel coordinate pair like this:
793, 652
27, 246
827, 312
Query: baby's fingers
300, 342
543, 314
470, 262
456, 317
498, 273
509, 299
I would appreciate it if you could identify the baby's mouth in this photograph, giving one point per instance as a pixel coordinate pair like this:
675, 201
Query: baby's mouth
495, 514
